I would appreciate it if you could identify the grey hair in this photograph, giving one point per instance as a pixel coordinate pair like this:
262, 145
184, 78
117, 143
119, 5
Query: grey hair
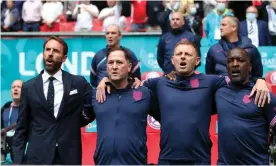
116, 25
233, 20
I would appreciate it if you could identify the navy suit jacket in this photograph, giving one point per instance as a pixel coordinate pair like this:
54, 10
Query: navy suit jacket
37, 125
264, 36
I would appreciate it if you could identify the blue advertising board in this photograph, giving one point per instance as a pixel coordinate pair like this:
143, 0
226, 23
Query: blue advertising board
21, 58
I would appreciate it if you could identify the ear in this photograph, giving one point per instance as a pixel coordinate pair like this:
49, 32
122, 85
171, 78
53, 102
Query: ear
235, 28
129, 67
172, 59
250, 67
197, 60
64, 58
120, 35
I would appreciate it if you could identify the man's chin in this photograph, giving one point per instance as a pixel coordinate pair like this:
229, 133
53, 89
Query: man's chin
236, 80
115, 79
183, 72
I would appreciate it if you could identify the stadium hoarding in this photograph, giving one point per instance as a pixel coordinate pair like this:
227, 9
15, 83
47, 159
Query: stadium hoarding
21, 58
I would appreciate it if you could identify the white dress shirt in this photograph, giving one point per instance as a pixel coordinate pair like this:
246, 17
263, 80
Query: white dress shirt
255, 35
58, 85
51, 10
116, 19
84, 18
7, 19
31, 10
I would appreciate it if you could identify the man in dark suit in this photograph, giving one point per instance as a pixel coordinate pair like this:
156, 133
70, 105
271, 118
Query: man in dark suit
52, 109
256, 30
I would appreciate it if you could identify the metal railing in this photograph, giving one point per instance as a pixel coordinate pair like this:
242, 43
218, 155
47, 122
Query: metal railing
84, 34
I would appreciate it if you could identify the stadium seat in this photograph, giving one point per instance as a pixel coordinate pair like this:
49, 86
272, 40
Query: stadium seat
271, 81
152, 74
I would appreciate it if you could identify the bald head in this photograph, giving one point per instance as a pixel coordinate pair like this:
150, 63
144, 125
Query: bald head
177, 20
251, 13
238, 66
252, 9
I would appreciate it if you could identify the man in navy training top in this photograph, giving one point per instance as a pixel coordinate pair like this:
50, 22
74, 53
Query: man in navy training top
168, 41
186, 105
216, 56
122, 119
98, 64
243, 128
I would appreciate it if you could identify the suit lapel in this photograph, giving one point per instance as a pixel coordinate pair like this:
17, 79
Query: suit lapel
259, 31
40, 92
67, 81
246, 30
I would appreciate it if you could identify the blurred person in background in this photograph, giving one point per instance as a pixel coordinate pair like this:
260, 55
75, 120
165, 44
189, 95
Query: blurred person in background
50, 13
153, 8
213, 19
85, 12
112, 15
193, 20
9, 113
168, 41
269, 15
98, 71
17, 4
10, 17
164, 17
138, 16
31, 15
184, 5
217, 54
208, 6
255, 29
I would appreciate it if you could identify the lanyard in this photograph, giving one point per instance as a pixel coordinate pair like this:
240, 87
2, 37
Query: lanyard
10, 113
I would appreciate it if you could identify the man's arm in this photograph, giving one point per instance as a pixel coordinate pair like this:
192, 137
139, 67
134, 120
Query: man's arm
105, 13
152, 84
22, 128
60, 9
260, 90
154, 107
87, 114
93, 72
270, 113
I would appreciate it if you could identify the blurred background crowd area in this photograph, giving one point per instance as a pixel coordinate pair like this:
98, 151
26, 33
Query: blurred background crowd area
132, 15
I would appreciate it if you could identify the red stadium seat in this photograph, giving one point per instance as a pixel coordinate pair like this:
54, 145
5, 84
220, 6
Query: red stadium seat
271, 81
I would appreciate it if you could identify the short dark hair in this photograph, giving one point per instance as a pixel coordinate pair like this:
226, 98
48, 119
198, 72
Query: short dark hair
58, 39
189, 43
243, 51
126, 53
